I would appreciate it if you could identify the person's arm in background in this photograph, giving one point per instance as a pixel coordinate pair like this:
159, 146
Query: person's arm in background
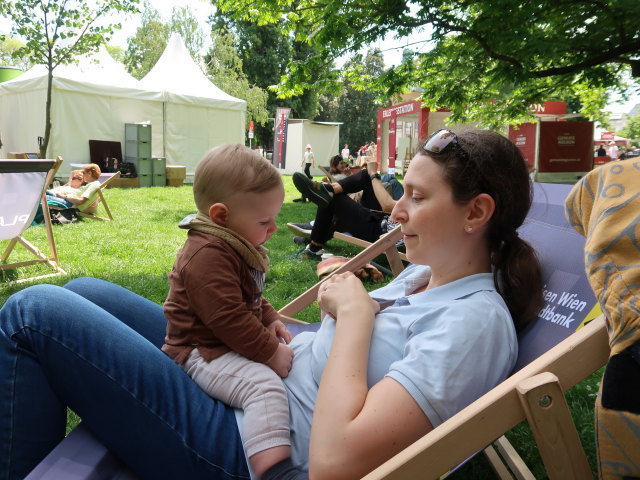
386, 201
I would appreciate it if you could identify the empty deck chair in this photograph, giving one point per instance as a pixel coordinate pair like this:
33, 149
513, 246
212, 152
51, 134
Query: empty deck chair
22, 189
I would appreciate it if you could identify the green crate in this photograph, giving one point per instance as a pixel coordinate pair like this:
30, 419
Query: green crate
159, 180
159, 166
137, 132
137, 149
143, 165
145, 180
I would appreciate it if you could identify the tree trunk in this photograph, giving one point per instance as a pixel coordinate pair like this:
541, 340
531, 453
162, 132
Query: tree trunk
47, 115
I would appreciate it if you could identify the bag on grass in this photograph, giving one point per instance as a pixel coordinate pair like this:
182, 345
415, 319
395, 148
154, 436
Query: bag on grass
63, 217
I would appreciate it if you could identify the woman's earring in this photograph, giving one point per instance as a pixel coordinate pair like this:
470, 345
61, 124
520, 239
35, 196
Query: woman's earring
468, 228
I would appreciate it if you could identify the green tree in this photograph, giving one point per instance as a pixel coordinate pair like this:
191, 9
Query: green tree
266, 51
224, 68
183, 22
486, 60
56, 33
146, 46
9, 48
151, 38
357, 107
631, 129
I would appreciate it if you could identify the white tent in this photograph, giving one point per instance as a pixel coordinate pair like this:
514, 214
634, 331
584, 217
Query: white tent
94, 99
197, 114
90, 101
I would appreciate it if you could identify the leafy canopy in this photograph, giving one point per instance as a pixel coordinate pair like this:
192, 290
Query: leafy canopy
486, 60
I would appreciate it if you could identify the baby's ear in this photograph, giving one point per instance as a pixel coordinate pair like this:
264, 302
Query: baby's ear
218, 212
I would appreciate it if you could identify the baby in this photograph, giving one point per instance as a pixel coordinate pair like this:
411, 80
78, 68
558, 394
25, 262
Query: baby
221, 330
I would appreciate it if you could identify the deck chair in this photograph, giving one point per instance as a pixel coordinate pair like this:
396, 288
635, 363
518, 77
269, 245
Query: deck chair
22, 189
561, 347
92, 210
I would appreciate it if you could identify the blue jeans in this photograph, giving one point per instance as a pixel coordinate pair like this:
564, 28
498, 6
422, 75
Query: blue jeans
95, 347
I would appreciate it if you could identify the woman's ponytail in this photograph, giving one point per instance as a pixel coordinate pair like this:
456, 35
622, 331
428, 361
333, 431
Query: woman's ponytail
518, 278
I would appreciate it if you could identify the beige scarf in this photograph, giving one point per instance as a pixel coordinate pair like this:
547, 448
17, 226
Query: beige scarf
256, 257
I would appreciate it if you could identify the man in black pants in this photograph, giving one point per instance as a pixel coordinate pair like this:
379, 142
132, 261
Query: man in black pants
337, 211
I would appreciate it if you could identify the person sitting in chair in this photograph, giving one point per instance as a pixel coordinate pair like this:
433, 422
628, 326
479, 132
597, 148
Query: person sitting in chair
81, 197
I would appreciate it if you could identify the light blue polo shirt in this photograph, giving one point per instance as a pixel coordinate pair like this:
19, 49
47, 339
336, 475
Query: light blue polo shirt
447, 346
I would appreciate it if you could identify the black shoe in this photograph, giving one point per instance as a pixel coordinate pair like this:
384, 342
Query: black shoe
302, 229
303, 200
314, 191
301, 240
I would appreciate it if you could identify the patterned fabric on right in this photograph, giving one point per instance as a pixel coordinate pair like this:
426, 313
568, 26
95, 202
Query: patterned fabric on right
604, 206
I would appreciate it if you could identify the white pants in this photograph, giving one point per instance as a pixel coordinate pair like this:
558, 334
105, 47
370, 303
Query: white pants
252, 386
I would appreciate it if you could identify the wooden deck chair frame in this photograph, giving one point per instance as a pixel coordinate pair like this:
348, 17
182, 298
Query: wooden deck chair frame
394, 256
326, 173
51, 258
101, 201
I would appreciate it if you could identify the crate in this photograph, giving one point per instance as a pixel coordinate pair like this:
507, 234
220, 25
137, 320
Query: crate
145, 180
159, 180
143, 165
175, 182
137, 132
176, 171
137, 149
159, 166
124, 183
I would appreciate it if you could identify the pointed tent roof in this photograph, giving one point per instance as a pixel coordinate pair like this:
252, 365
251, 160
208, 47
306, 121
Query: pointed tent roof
180, 78
97, 73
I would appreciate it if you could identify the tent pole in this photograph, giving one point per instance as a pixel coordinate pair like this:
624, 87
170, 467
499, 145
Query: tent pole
164, 129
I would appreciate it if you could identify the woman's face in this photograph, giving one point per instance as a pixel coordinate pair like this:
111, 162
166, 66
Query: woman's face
432, 223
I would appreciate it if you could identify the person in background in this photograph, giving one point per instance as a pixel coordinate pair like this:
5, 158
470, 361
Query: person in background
345, 152
601, 152
339, 167
308, 160
613, 151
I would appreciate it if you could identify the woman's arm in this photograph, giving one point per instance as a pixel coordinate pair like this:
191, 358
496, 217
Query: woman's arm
355, 429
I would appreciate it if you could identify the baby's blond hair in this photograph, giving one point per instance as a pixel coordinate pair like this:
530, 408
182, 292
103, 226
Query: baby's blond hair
231, 169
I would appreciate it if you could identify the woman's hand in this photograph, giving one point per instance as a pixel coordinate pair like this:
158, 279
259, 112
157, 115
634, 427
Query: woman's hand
279, 330
344, 289
280, 362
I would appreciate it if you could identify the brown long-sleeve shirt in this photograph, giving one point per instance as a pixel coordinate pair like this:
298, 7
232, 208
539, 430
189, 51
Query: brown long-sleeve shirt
215, 305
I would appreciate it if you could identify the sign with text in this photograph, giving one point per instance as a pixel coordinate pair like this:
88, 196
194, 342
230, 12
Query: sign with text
280, 137
565, 147
524, 137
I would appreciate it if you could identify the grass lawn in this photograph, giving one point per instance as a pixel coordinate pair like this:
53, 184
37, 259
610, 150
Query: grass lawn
137, 251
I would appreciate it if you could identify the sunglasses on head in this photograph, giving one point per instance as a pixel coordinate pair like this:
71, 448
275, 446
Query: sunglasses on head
441, 141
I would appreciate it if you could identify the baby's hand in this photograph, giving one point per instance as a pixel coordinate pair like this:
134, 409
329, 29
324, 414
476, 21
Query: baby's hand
280, 362
279, 330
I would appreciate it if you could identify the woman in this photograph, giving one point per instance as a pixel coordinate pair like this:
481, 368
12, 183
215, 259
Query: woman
339, 168
400, 361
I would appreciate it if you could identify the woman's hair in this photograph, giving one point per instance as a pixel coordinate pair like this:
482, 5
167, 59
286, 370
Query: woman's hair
487, 162
92, 170
333, 164
230, 169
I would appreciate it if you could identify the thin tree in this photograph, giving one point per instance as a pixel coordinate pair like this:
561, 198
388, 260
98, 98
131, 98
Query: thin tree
57, 32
